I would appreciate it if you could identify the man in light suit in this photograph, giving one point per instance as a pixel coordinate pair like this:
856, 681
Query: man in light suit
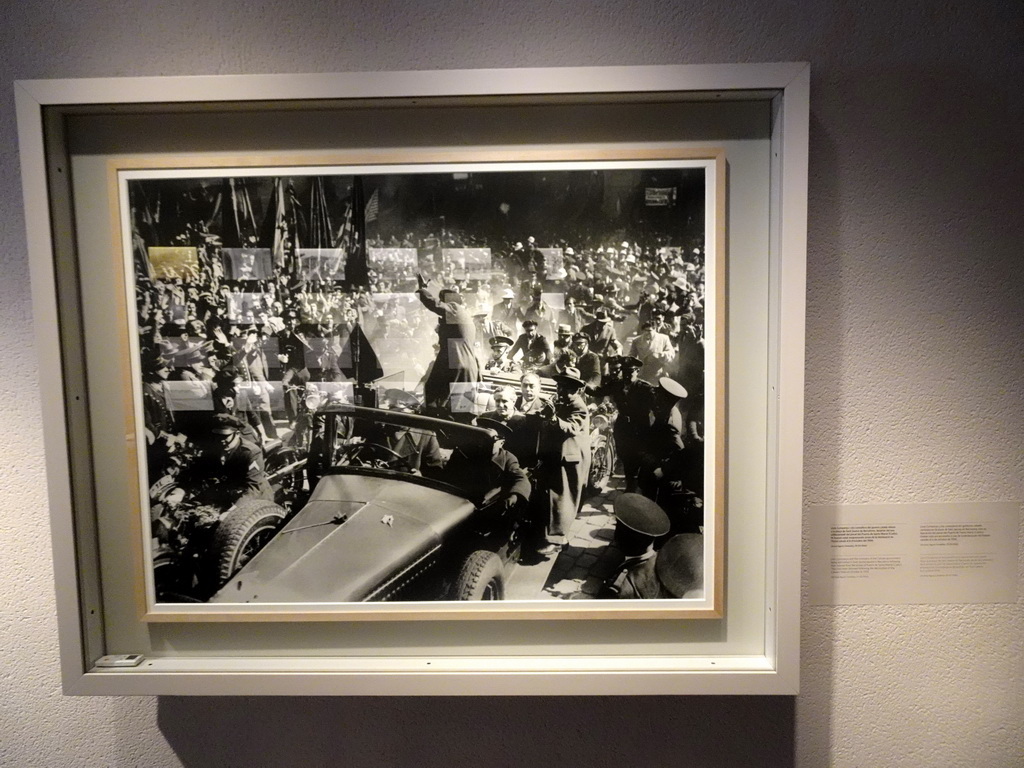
654, 350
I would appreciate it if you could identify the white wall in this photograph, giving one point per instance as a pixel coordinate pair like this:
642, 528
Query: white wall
914, 370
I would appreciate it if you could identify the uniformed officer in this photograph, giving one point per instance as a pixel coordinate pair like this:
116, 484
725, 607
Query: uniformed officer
639, 522
679, 565
634, 400
676, 570
227, 468
498, 361
479, 470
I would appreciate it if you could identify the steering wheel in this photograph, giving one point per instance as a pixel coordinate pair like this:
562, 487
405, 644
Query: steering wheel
372, 455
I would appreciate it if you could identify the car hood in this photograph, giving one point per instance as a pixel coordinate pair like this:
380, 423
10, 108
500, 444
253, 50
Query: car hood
357, 539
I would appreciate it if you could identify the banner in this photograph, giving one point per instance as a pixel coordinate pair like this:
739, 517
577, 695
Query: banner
180, 263
471, 261
245, 308
247, 263
393, 263
660, 196
321, 264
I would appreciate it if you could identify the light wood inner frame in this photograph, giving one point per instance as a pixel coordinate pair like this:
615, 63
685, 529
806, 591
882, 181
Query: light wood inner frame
279, 163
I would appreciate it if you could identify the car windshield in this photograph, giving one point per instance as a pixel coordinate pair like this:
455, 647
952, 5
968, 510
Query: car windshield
344, 438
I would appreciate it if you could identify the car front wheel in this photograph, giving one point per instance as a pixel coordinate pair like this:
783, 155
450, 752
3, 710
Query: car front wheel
480, 578
242, 533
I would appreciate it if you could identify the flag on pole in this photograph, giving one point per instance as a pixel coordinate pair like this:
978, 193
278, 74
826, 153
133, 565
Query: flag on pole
342, 244
239, 218
279, 238
356, 269
373, 206
319, 217
358, 360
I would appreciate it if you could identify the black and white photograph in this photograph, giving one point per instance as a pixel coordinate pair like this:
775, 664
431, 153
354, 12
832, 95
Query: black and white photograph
436, 383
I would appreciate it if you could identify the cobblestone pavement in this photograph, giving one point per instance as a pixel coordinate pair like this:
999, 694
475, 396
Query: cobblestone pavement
582, 567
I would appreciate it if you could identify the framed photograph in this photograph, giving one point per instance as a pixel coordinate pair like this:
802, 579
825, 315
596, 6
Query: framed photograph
446, 389
516, 411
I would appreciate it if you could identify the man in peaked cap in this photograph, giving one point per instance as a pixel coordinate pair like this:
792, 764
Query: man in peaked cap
499, 360
639, 522
668, 407
227, 467
666, 435
588, 363
634, 400
680, 565
480, 469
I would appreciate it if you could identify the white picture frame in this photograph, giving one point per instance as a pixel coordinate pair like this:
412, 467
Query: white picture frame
753, 648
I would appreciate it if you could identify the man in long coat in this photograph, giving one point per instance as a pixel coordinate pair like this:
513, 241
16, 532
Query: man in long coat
456, 361
565, 459
634, 400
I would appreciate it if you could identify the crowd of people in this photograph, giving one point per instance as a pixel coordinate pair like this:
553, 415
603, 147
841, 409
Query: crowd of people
616, 325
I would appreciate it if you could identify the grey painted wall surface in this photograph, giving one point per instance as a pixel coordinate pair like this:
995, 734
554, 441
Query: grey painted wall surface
915, 343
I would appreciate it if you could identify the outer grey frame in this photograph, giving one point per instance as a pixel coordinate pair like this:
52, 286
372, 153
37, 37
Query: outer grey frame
773, 672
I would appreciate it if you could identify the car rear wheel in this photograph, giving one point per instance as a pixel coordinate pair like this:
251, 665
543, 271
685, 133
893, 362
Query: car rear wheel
243, 532
480, 578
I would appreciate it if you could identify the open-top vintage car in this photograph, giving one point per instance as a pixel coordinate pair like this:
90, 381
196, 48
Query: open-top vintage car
381, 522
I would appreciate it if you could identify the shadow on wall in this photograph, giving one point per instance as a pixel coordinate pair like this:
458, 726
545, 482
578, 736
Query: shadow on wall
486, 731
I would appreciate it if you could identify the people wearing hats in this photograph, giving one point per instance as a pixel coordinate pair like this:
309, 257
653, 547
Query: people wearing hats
456, 362
665, 446
226, 468
674, 571
589, 363
675, 479
669, 407
680, 566
506, 314
400, 400
156, 413
563, 338
535, 348
647, 303
291, 351
564, 459
522, 442
601, 333
654, 349
477, 469
634, 400
254, 390
499, 361
540, 312
639, 522
573, 316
